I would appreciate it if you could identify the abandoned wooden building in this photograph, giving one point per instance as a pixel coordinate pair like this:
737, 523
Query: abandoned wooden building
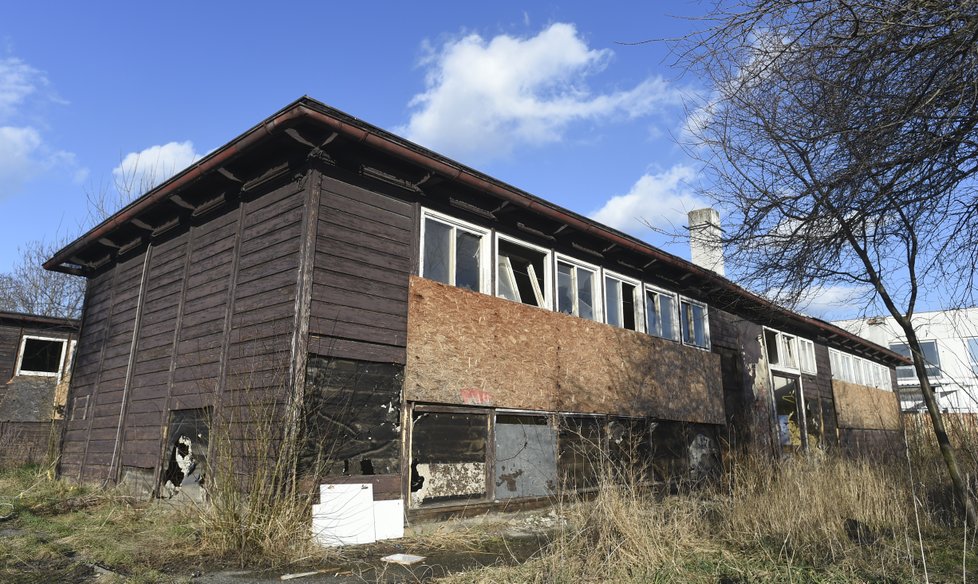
35, 357
447, 337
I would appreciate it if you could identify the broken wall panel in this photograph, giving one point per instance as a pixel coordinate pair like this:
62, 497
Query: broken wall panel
351, 417
448, 457
581, 451
473, 349
866, 408
525, 457
746, 381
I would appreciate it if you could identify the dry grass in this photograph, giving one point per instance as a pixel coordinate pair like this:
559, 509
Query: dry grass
817, 519
931, 482
255, 513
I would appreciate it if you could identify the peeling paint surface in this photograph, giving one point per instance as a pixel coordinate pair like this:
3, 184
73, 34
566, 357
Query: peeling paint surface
450, 481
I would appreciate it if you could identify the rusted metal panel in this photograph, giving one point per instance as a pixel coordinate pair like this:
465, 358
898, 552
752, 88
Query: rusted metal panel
473, 349
525, 457
866, 408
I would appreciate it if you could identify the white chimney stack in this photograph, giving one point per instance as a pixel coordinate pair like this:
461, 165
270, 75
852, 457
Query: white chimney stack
705, 239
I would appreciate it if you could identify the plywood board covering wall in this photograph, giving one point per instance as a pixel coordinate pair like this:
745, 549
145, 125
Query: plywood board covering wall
862, 407
473, 349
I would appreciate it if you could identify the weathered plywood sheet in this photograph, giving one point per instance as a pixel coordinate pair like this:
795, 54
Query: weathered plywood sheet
861, 407
473, 349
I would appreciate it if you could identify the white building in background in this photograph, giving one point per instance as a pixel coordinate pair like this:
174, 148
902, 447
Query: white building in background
949, 340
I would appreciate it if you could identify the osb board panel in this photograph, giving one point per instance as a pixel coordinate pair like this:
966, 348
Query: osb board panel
473, 349
858, 406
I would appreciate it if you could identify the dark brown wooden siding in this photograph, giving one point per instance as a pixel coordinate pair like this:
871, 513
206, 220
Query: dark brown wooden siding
216, 323
360, 284
9, 345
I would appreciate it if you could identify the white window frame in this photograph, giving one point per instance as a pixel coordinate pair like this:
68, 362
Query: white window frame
972, 356
853, 369
783, 341
677, 334
485, 246
596, 288
912, 379
706, 322
638, 298
807, 347
548, 268
20, 357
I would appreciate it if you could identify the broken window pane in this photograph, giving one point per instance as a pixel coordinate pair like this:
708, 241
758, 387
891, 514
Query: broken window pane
526, 457
772, 346
620, 303
448, 457
575, 290
693, 322
41, 356
467, 261
660, 310
521, 272
452, 255
437, 251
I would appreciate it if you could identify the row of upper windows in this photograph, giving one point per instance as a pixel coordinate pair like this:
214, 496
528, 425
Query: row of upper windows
461, 254
858, 370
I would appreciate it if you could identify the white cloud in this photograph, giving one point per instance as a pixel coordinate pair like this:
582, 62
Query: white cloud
141, 171
24, 154
18, 152
661, 200
482, 98
18, 81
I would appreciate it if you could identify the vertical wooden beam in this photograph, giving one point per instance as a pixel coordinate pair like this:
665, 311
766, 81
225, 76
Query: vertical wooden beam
407, 429
115, 463
177, 327
299, 349
222, 375
91, 408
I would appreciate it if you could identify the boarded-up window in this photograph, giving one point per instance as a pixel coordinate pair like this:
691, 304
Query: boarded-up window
448, 457
352, 417
526, 457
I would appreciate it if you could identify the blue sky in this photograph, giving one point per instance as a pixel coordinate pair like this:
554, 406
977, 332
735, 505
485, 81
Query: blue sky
545, 96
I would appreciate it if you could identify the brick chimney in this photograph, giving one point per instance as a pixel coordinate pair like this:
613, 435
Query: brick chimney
705, 235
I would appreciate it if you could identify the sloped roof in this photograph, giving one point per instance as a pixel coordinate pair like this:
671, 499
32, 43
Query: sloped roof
102, 243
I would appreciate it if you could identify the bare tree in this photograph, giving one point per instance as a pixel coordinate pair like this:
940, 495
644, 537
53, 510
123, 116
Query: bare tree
841, 139
29, 288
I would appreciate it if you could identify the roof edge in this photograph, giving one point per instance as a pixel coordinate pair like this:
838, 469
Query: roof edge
360, 131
